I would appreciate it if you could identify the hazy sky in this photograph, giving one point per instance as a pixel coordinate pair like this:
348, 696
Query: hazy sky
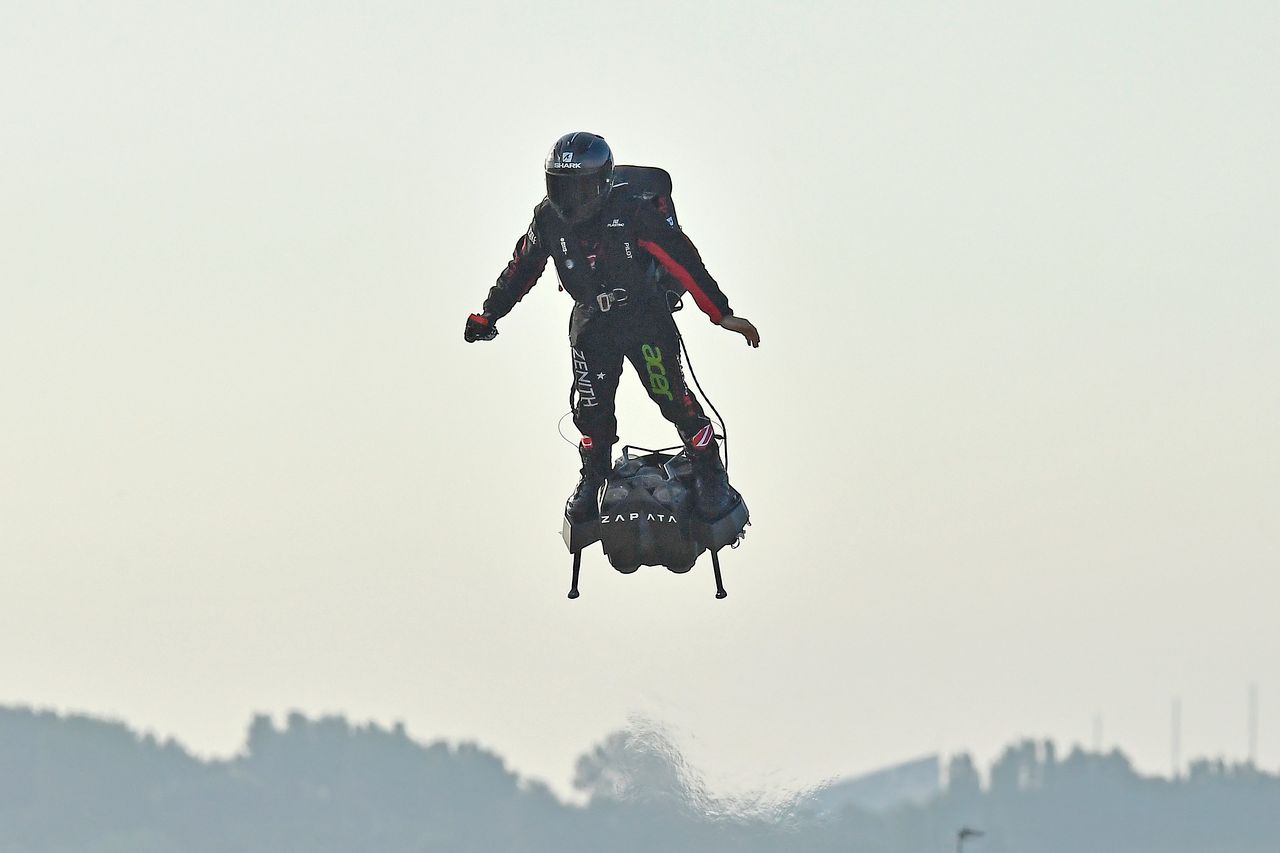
1011, 444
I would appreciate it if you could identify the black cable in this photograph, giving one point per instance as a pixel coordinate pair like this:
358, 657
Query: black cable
573, 401
560, 429
724, 429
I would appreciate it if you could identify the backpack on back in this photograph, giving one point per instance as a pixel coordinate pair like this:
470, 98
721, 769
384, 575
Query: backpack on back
651, 185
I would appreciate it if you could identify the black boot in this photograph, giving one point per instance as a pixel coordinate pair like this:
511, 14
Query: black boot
584, 504
713, 496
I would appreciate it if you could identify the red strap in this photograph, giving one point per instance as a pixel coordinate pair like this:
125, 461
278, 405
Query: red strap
483, 321
685, 278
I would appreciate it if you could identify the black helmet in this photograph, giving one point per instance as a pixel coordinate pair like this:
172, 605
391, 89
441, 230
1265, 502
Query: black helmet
579, 174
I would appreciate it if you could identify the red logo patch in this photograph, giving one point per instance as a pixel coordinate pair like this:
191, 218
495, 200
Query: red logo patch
704, 436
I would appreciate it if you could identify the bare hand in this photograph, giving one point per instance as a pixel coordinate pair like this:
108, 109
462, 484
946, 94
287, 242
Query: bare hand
742, 326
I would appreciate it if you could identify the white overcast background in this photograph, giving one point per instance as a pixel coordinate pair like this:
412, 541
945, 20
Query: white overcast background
1011, 444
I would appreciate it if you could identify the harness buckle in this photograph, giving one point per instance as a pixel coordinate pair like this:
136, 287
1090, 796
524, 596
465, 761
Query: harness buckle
610, 298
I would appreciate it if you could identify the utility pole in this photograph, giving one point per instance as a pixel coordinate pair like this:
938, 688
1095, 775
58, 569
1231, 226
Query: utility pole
1253, 725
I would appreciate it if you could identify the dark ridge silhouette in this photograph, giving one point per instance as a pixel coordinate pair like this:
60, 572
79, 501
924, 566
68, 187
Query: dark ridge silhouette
73, 783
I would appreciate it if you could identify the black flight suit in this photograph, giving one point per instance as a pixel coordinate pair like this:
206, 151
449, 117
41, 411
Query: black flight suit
616, 267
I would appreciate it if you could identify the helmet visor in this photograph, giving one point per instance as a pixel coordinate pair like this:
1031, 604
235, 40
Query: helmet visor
576, 197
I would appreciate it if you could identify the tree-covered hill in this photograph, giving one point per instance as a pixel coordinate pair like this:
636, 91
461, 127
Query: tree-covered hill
73, 783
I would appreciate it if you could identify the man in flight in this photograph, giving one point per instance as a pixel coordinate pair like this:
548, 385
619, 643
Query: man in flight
618, 253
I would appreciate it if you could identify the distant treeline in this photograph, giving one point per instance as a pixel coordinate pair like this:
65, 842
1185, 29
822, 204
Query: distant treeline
71, 783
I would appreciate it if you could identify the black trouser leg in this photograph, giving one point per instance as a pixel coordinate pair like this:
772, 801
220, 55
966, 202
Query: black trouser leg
596, 370
595, 383
656, 358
